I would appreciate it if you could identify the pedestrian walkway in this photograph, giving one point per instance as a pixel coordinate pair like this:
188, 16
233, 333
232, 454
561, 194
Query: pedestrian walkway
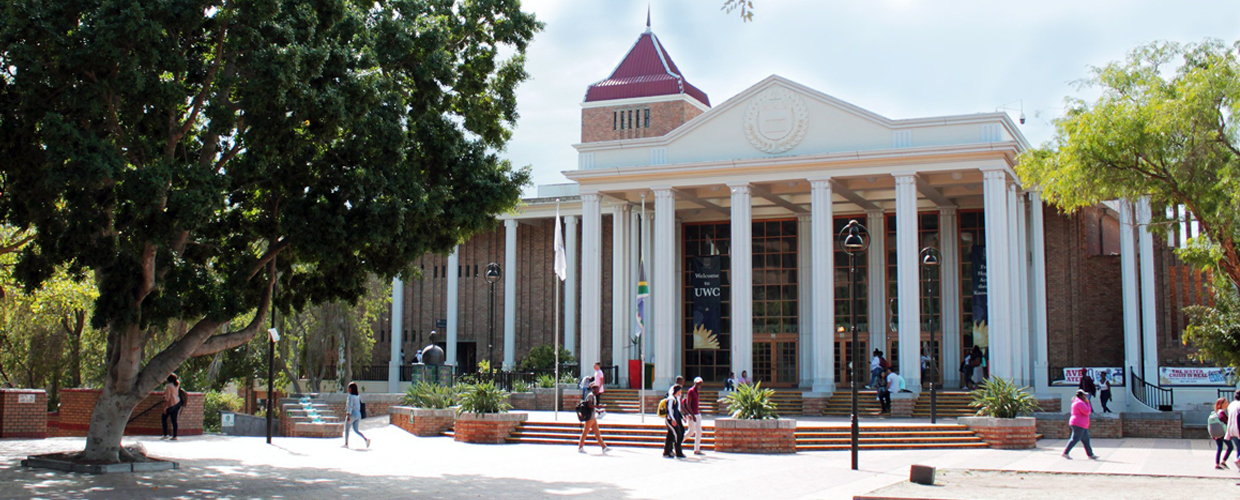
400, 465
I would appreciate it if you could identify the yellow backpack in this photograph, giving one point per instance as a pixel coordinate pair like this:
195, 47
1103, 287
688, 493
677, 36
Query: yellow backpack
662, 410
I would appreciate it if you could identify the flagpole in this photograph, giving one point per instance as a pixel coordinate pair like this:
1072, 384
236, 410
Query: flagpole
641, 353
555, 406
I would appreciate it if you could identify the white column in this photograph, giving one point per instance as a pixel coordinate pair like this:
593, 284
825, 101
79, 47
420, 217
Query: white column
677, 300
1041, 363
634, 254
949, 293
647, 251
663, 293
570, 285
1013, 289
510, 294
454, 280
805, 298
1149, 307
999, 345
1025, 353
908, 288
398, 319
591, 281
1129, 280
876, 221
823, 248
742, 280
619, 291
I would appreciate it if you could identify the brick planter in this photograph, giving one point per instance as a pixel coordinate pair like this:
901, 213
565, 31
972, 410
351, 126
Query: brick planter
523, 401
421, 421
544, 399
487, 428
77, 406
23, 413
755, 436
1004, 433
902, 404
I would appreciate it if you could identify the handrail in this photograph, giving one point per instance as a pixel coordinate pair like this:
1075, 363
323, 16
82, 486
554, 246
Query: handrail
135, 417
1150, 395
1227, 393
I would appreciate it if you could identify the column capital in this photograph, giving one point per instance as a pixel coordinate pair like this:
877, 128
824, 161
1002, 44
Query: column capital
989, 173
875, 213
804, 217
663, 192
738, 187
508, 224
950, 211
620, 208
820, 183
906, 176
570, 219
590, 197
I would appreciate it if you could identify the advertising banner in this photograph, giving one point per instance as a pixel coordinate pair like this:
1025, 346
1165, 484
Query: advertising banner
1072, 375
981, 333
707, 299
1200, 376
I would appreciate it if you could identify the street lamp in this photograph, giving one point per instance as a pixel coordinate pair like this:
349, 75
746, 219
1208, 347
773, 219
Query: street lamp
493, 275
930, 259
854, 239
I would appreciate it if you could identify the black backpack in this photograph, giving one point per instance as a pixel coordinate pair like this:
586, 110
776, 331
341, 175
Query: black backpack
585, 411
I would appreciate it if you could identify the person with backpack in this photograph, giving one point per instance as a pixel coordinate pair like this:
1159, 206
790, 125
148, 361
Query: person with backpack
675, 425
1216, 425
174, 400
1079, 423
587, 413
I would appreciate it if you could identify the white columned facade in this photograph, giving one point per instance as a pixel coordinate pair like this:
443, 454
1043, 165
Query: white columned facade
454, 280
949, 294
634, 255
591, 281
1149, 306
742, 280
570, 285
397, 331
805, 299
876, 270
1022, 257
1041, 359
510, 294
663, 283
823, 249
619, 290
1129, 280
908, 285
999, 345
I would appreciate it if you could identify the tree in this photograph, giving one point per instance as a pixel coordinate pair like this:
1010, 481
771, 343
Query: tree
1164, 127
744, 6
192, 154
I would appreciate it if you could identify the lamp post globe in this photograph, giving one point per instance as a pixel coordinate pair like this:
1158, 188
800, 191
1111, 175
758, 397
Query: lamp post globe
930, 259
854, 239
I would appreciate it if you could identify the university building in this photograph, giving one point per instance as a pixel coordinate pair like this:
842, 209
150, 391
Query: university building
733, 212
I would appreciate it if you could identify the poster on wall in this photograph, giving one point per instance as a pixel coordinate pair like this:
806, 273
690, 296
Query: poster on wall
981, 333
1072, 375
707, 301
1200, 376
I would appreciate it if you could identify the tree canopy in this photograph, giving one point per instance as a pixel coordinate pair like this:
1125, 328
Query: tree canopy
190, 154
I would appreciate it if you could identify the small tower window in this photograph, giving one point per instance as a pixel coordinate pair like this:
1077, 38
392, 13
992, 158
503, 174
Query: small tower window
615, 120
630, 117
647, 118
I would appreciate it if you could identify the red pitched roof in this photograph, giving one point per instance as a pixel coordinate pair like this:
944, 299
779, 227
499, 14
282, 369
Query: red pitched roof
647, 70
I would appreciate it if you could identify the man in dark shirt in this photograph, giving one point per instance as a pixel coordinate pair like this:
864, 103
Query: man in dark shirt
694, 415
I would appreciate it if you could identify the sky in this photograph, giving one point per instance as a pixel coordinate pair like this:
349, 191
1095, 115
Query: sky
898, 58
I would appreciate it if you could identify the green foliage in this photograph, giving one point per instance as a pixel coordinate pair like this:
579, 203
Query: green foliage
1165, 127
1002, 398
745, 6
484, 365
431, 396
483, 397
522, 386
1215, 330
567, 378
545, 381
751, 402
543, 358
213, 403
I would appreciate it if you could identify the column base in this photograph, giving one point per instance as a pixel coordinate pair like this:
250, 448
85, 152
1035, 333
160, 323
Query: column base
824, 386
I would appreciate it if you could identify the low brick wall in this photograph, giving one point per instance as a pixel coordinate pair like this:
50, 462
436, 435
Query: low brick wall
491, 428
23, 413
523, 401
377, 404
422, 422
755, 436
317, 430
1050, 404
77, 406
1052, 425
544, 399
1152, 425
902, 404
1004, 433
814, 405
1110, 426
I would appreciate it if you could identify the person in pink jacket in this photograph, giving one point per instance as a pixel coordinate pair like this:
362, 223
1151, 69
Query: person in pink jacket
1079, 422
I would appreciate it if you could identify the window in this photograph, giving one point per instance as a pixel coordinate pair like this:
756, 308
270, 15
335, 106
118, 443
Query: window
647, 117
615, 120
843, 294
927, 236
631, 118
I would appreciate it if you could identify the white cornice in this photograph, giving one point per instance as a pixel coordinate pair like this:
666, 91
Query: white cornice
645, 100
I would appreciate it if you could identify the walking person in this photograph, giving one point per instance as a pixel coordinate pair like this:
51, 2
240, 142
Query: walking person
173, 402
599, 379
1079, 423
1104, 390
589, 421
1216, 425
354, 409
1233, 425
693, 415
675, 426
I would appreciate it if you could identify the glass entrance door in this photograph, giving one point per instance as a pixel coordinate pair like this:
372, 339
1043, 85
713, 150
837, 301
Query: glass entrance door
775, 361
843, 356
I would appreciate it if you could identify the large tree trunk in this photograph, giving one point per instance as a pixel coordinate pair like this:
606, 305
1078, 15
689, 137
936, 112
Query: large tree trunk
123, 389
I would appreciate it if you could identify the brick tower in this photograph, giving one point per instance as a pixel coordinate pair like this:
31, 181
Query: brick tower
645, 96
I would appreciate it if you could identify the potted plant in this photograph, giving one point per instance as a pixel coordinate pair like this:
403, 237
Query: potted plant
1001, 408
754, 426
483, 417
522, 395
427, 409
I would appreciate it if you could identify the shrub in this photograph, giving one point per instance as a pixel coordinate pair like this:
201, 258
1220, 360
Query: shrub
543, 358
213, 403
430, 396
522, 386
1002, 398
568, 378
545, 381
751, 402
483, 397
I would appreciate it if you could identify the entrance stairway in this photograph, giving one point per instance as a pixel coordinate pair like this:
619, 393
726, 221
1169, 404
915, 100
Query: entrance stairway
951, 404
625, 400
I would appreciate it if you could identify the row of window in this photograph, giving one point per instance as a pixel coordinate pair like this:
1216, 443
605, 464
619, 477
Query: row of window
630, 118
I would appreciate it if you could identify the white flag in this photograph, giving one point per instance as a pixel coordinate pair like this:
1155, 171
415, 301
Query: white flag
274, 334
561, 260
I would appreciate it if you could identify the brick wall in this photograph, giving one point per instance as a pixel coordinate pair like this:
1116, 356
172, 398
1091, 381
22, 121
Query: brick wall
813, 406
421, 422
23, 413
77, 406
598, 124
744, 436
1004, 433
1110, 426
902, 405
486, 429
1084, 308
1152, 425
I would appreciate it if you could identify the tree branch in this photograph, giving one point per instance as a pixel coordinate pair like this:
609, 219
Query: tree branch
201, 97
229, 340
268, 257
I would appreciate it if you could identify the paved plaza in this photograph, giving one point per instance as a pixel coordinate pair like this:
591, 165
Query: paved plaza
400, 465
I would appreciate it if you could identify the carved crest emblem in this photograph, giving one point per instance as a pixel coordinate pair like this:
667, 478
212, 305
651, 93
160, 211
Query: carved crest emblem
776, 120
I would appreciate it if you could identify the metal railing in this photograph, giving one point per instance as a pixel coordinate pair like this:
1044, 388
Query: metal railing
1227, 393
448, 375
1149, 394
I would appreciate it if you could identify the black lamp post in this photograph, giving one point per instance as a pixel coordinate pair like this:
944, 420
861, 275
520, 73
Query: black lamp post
854, 240
930, 259
493, 275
